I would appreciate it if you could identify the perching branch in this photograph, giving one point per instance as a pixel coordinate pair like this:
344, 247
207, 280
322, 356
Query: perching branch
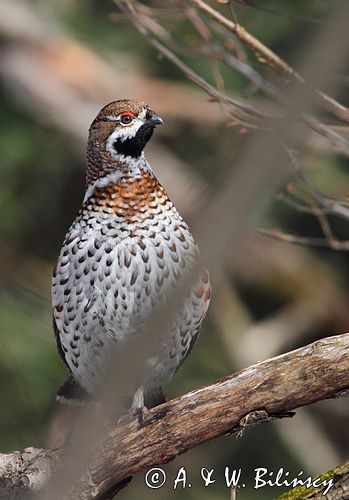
269, 389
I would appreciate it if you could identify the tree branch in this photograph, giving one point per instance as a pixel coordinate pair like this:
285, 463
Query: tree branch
26, 473
269, 389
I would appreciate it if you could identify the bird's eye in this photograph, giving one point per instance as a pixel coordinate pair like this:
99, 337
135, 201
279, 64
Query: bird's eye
126, 118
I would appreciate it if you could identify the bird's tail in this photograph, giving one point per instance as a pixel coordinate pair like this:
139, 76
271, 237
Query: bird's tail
154, 397
71, 393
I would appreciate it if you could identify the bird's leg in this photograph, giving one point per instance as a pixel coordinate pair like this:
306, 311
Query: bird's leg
138, 407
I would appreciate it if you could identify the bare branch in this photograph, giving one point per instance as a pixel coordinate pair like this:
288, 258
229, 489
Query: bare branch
270, 389
278, 234
144, 29
245, 69
244, 115
337, 142
270, 57
258, 47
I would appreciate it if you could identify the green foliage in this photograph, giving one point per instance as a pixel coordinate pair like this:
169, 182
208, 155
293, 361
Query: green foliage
29, 370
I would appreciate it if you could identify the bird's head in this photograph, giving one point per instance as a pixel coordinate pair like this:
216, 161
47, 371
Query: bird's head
124, 127
118, 136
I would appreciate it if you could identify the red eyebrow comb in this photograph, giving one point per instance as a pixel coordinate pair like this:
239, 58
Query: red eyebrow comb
127, 113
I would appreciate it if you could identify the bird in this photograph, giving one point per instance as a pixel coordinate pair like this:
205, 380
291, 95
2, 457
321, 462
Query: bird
125, 253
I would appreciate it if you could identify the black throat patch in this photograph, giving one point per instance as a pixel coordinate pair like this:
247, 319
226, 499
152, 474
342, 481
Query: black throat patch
134, 145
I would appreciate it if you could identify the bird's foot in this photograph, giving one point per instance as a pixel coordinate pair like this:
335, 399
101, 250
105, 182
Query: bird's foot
138, 407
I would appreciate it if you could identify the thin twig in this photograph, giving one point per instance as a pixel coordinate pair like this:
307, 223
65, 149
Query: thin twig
337, 142
278, 234
145, 25
332, 206
191, 75
217, 52
340, 111
248, 39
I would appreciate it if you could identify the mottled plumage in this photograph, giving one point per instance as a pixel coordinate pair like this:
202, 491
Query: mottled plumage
122, 257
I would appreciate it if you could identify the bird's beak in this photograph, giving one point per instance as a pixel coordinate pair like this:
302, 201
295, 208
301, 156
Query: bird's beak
155, 119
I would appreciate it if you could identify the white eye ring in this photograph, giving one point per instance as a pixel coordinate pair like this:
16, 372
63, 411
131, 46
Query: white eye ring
126, 119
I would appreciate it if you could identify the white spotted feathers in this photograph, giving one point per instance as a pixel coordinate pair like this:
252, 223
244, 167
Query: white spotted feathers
124, 254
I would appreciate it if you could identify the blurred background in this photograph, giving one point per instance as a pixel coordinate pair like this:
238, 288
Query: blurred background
60, 62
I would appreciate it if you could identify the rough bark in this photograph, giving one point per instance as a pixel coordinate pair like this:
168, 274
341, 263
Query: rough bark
266, 390
26, 473
340, 491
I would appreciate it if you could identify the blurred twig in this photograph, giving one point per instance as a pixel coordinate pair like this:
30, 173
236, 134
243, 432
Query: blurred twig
269, 56
145, 26
291, 106
278, 234
316, 203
